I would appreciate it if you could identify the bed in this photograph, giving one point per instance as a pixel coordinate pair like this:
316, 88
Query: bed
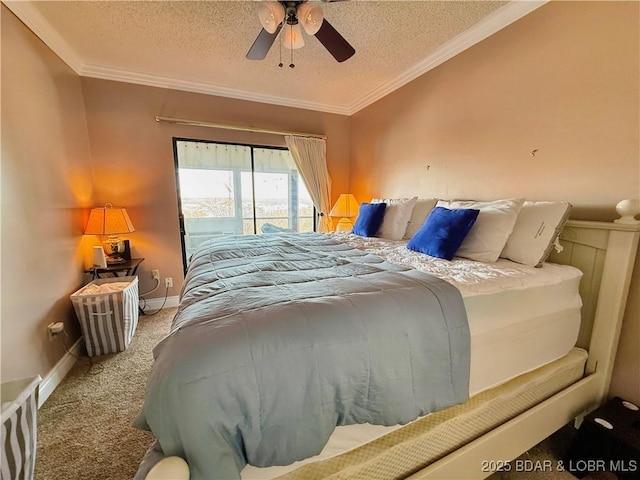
583, 304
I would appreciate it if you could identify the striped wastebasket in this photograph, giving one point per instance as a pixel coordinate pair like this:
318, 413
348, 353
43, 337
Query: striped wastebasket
19, 428
107, 309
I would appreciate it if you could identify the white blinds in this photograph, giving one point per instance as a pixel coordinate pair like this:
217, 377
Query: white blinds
203, 155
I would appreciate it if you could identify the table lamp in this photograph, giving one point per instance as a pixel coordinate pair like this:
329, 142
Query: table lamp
110, 221
346, 208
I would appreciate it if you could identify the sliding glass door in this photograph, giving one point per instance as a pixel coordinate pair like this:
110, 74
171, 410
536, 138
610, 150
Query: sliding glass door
230, 189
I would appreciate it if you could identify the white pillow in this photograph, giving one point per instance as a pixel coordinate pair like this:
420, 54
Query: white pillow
489, 234
535, 231
421, 211
396, 217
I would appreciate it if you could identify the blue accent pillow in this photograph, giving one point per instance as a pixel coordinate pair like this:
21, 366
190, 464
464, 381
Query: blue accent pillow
369, 219
443, 232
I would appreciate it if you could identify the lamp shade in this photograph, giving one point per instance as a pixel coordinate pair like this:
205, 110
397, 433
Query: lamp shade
108, 220
346, 206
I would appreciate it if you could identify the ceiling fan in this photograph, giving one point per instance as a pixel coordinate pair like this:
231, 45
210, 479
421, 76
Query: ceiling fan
293, 17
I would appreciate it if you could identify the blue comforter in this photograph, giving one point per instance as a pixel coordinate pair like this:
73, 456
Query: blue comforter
279, 338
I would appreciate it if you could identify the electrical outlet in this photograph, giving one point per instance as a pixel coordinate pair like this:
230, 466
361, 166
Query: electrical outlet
168, 282
155, 274
54, 329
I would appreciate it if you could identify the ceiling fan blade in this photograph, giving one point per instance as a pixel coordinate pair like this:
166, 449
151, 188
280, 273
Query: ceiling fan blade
334, 42
262, 44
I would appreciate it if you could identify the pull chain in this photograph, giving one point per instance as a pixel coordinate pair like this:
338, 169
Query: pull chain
291, 65
280, 44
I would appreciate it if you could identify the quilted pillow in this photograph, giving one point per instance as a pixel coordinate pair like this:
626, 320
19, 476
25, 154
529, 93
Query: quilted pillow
489, 234
535, 231
443, 232
396, 217
421, 211
369, 219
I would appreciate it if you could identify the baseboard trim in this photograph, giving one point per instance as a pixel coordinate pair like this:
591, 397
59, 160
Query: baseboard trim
58, 372
66, 363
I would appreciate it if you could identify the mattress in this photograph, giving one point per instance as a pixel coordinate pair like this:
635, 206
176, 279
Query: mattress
520, 319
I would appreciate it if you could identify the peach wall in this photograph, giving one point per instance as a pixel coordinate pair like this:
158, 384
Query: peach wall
132, 156
46, 189
563, 80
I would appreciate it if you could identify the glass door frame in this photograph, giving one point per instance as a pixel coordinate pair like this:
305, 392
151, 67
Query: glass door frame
181, 220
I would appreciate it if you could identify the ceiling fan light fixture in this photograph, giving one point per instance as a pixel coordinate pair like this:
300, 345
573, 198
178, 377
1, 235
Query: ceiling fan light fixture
292, 37
311, 18
271, 15
285, 20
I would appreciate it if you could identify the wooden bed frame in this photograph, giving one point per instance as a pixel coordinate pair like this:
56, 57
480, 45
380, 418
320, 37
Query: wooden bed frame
605, 252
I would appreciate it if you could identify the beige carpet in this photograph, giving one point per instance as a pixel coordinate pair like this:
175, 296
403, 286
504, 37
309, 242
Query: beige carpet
543, 462
84, 427
85, 432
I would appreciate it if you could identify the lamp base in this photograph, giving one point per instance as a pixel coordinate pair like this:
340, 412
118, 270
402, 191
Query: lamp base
116, 250
113, 245
344, 225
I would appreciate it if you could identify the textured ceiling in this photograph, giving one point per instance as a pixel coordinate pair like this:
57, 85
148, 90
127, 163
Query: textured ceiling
201, 45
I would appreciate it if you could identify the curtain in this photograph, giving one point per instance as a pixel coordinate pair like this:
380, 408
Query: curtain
310, 154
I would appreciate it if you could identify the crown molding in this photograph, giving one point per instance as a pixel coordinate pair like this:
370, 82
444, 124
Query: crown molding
108, 73
491, 24
33, 19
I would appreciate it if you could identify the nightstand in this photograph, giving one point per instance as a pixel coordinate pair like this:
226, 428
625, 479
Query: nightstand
129, 268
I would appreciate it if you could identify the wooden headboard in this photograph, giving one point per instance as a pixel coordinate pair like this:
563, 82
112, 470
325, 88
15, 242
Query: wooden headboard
605, 252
